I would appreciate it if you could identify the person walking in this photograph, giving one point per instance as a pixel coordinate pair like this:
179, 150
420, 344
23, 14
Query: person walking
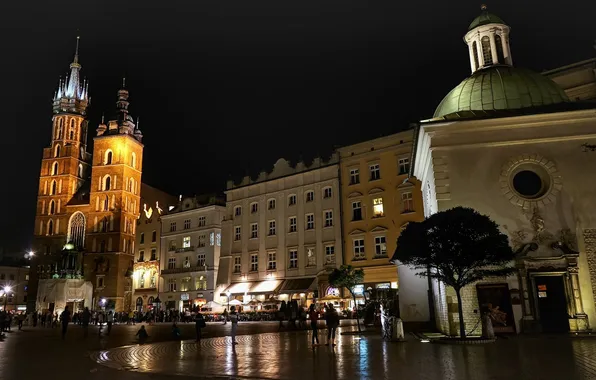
234, 322
20, 319
314, 319
65, 319
332, 319
100, 318
199, 324
225, 315
85, 319
142, 334
110, 321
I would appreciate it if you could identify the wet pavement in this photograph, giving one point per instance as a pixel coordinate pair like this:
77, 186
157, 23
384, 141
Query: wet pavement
266, 354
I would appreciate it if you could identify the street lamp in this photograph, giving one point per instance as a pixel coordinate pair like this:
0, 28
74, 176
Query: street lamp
228, 294
30, 255
7, 289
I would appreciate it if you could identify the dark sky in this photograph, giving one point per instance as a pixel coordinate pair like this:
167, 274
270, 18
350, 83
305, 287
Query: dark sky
225, 87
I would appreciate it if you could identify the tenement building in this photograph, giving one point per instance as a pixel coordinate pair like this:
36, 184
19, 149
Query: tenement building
281, 234
508, 142
87, 206
154, 203
191, 242
378, 198
14, 281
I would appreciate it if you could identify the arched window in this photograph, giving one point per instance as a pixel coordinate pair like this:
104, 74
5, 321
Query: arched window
131, 187
106, 203
71, 134
133, 160
76, 229
103, 226
53, 187
57, 151
80, 171
108, 158
102, 246
50, 228
150, 300
52, 208
107, 183
475, 52
486, 52
499, 43
60, 127
55, 168
71, 124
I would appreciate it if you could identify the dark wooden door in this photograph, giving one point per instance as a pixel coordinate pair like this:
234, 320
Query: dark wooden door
552, 303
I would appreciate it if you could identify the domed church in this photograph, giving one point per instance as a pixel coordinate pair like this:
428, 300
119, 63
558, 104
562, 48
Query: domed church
508, 142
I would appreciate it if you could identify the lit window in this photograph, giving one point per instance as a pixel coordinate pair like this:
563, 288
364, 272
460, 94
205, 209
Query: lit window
293, 225
328, 218
142, 280
378, 207
237, 210
237, 233
380, 246
201, 260
271, 227
271, 262
186, 224
329, 254
184, 284
311, 258
254, 207
187, 262
407, 202
310, 196
237, 264
212, 239
356, 211
218, 239
254, 262
327, 192
201, 283
375, 172
291, 200
172, 226
202, 221
354, 176
254, 231
310, 221
271, 204
358, 249
293, 259
186, 242
404, 165
202, 240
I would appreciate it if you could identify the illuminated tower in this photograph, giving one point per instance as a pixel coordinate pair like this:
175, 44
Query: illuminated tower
114, 207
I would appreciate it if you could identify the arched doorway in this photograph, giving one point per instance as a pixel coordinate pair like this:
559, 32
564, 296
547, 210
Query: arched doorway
139, 304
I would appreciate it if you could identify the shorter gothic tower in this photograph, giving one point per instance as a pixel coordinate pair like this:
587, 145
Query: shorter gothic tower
114, 206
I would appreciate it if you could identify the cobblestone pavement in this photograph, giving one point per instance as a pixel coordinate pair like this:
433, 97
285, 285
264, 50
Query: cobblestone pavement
265, 354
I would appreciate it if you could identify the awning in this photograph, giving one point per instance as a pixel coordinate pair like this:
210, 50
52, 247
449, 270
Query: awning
255, 287
298, 285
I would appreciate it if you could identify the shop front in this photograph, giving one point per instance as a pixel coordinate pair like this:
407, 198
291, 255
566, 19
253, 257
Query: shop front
301, 290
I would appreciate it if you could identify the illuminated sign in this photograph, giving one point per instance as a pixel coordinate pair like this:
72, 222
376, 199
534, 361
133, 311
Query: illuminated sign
359, 289
385, 285
148, 213
184, 296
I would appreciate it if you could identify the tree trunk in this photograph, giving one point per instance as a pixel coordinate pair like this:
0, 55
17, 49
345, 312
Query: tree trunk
462, 325
431, 300
357, 316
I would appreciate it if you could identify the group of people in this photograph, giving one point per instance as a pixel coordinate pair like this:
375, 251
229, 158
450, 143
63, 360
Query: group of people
331, 320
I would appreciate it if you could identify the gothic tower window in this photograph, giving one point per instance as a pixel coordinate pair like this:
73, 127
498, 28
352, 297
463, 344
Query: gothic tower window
133, 160
76, 229
108, 158
52, 208
102, 246
107, 183
486, 52
57, 151
499, 43
103, 227
50, 228
106, 203
72, 123
55, 168
80, 171
53, 188
71, 135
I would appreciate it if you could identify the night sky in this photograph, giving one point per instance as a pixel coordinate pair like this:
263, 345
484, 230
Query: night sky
224, 88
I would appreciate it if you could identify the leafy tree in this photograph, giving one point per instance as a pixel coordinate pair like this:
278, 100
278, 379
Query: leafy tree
460, 246
347, 277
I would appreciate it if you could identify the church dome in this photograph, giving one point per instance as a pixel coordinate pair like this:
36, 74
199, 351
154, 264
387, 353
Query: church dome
484, 19
500, 87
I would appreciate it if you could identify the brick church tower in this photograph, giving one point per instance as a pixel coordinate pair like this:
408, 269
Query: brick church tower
87, 205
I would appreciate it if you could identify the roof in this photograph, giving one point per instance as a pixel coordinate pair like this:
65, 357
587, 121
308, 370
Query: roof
297, 285
499, 87
484, 19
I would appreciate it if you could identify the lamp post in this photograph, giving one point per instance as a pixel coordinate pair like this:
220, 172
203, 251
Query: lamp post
228, 294
7, 290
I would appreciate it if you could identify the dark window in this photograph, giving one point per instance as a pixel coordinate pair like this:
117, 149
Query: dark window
499, 43
154, 236
142, 237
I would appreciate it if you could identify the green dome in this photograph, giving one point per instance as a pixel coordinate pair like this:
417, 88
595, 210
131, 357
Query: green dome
501, 88
485, 18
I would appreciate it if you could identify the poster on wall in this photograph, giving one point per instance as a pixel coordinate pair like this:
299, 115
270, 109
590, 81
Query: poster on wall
495, 300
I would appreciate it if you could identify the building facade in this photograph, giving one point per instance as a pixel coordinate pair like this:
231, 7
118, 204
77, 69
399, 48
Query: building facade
87, 204
14, 283
282, 233
154, 203
191, 245
518, 151
578, 80
379, 198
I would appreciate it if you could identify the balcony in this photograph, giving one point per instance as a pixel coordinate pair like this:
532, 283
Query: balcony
180, 250
203, 268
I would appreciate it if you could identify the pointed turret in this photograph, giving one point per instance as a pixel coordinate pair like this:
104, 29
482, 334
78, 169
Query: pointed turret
72, 95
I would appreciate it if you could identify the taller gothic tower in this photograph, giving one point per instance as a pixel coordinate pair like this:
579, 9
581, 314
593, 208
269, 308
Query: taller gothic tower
114, 207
